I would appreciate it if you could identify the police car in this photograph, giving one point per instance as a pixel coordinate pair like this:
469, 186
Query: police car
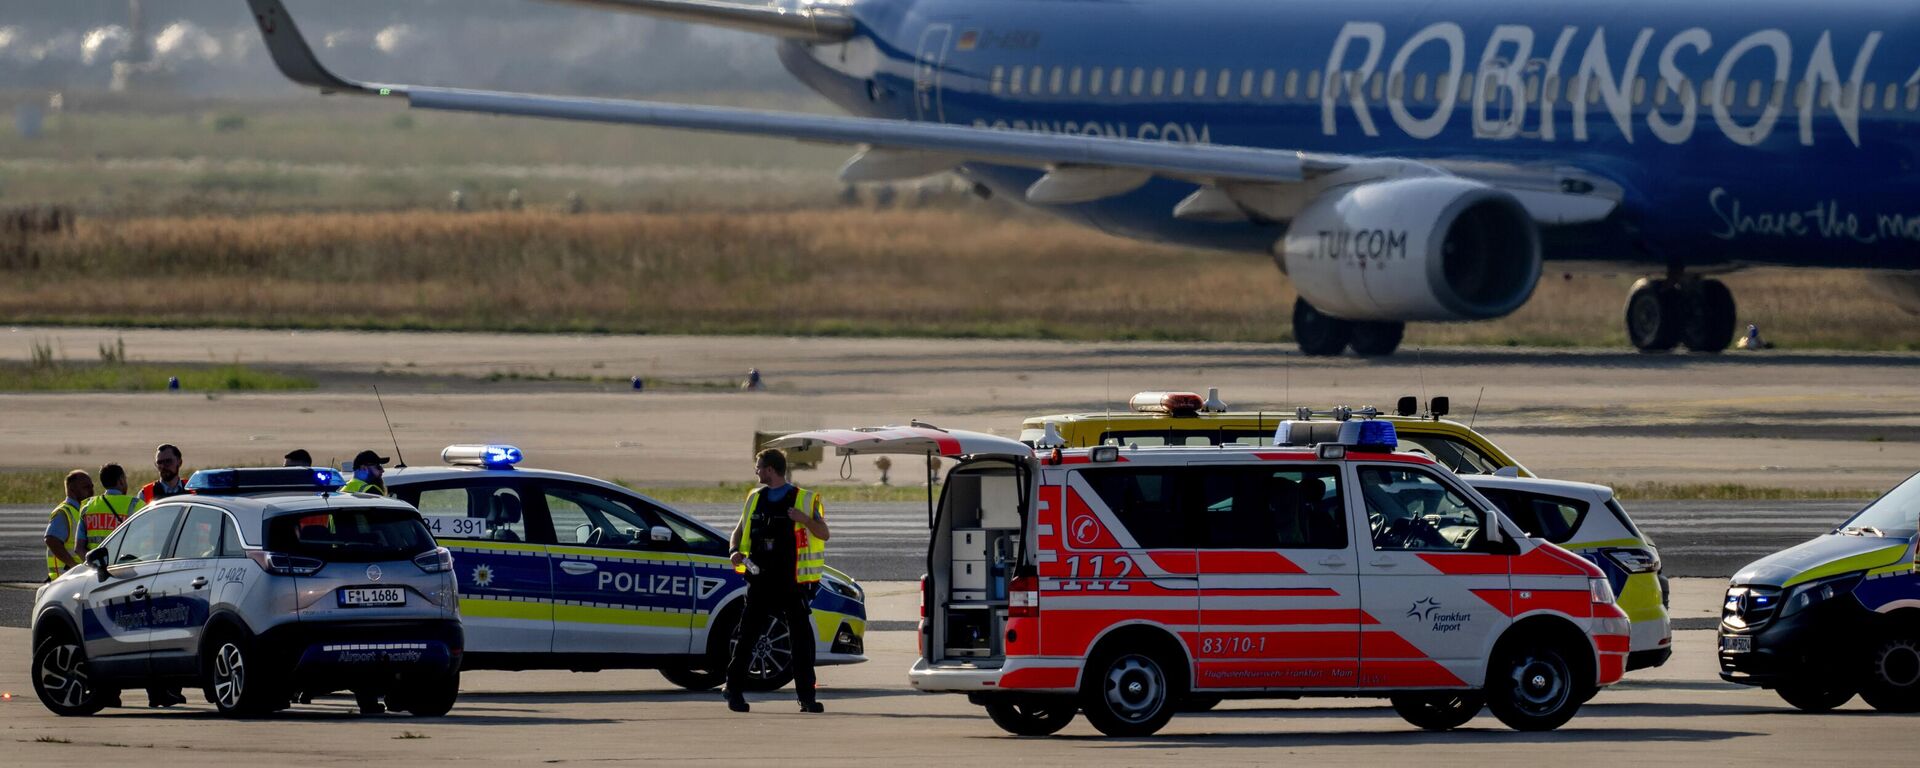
1185, 418
1130, 583
1587, 520
1836, 616
259, 584
563, 571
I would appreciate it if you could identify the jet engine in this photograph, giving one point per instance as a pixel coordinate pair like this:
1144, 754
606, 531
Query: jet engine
1426, 248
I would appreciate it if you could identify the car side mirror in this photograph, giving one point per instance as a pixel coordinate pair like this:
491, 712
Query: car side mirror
661, 534
97, 557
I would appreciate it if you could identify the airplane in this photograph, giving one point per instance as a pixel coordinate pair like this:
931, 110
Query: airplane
1399, 161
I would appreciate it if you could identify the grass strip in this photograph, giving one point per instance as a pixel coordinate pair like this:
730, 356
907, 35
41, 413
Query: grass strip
139, 377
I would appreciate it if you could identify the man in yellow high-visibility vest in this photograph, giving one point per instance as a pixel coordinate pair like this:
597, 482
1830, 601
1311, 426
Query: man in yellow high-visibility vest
105, 512
66, 535
781, 544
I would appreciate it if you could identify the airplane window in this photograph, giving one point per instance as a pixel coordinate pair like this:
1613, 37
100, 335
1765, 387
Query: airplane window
1139, 79
1727, 91
1639, 91
1913, 97
1398, 86
1293, 84
1246, 83
1342, 84
1059, 74
1313, 84
1491, 87
1379, 86
1018, 79
1420, 87
1892, 98
1593, 92
1222, 82
1553, 88
1779, 94
1800, 95
1660, 94
999, 77
1073, 82
1266, 84
1847, 96
1199, 82
1093, 87
1159, 81
1179, 82
1866, 97
1826, 95
1033, 85
1117, 82
1442, 85
1466, 88
1533, 88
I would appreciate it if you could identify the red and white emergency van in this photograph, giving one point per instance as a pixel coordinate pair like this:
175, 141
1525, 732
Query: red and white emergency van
1132, 583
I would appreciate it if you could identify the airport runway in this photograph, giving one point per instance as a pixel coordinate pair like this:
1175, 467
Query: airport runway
887, 542
1678, 714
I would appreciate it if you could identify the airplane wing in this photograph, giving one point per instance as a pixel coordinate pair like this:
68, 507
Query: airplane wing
1078, 168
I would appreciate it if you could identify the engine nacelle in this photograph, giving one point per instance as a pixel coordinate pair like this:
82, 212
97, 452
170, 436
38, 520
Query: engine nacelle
1427, 248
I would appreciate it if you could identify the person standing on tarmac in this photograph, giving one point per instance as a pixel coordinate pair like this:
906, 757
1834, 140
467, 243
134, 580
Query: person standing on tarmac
166, 459
780, 544
369, 474
66, 535
297, 457
107, 511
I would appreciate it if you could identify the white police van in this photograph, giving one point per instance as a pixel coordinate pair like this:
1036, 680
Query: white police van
564, 571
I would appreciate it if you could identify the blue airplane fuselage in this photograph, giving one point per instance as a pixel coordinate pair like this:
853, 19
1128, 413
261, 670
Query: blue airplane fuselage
1762, 132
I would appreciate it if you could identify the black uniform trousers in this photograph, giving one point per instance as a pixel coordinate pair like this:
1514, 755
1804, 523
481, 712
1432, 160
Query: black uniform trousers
766, 599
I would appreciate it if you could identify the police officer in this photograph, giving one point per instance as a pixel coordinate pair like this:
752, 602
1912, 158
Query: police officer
166, 459
105, 512
66, 535
297, 457
369, 473
783, 533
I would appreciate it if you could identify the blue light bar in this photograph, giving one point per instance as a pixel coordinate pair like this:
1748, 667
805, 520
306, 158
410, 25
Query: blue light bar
261, 479
1369, 433
493, 456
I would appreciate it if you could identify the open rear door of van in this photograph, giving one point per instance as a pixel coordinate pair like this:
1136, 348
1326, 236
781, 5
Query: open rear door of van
918, 439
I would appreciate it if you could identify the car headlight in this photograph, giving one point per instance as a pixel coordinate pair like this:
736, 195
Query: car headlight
846, 589
1814, 593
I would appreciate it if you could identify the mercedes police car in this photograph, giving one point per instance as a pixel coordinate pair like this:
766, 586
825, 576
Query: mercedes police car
1836, 616
1587, 519
258, 585
563, 571
1129, 584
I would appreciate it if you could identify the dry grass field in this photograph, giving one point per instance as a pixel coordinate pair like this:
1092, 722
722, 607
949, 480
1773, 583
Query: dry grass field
970, 271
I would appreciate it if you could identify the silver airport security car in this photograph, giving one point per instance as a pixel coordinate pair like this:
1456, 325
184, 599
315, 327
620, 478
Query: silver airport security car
259, 585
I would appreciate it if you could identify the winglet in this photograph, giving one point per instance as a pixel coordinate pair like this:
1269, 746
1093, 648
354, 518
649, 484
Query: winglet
295, 58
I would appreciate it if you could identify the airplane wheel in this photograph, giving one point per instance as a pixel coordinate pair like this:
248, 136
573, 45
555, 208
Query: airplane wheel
1320, 335
1377, 339
1655, 314
1710, 317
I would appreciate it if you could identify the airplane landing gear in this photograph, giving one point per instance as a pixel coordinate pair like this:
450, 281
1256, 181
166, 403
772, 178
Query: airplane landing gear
1662, 314
1321, 335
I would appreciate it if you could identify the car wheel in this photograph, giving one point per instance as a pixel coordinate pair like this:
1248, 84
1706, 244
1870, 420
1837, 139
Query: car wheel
771, 666
431, 695
1816, 695
1439, 711
1128, 692
1532, 686
1893, 673
1032, 718
61, 678
694, 679
236, 680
